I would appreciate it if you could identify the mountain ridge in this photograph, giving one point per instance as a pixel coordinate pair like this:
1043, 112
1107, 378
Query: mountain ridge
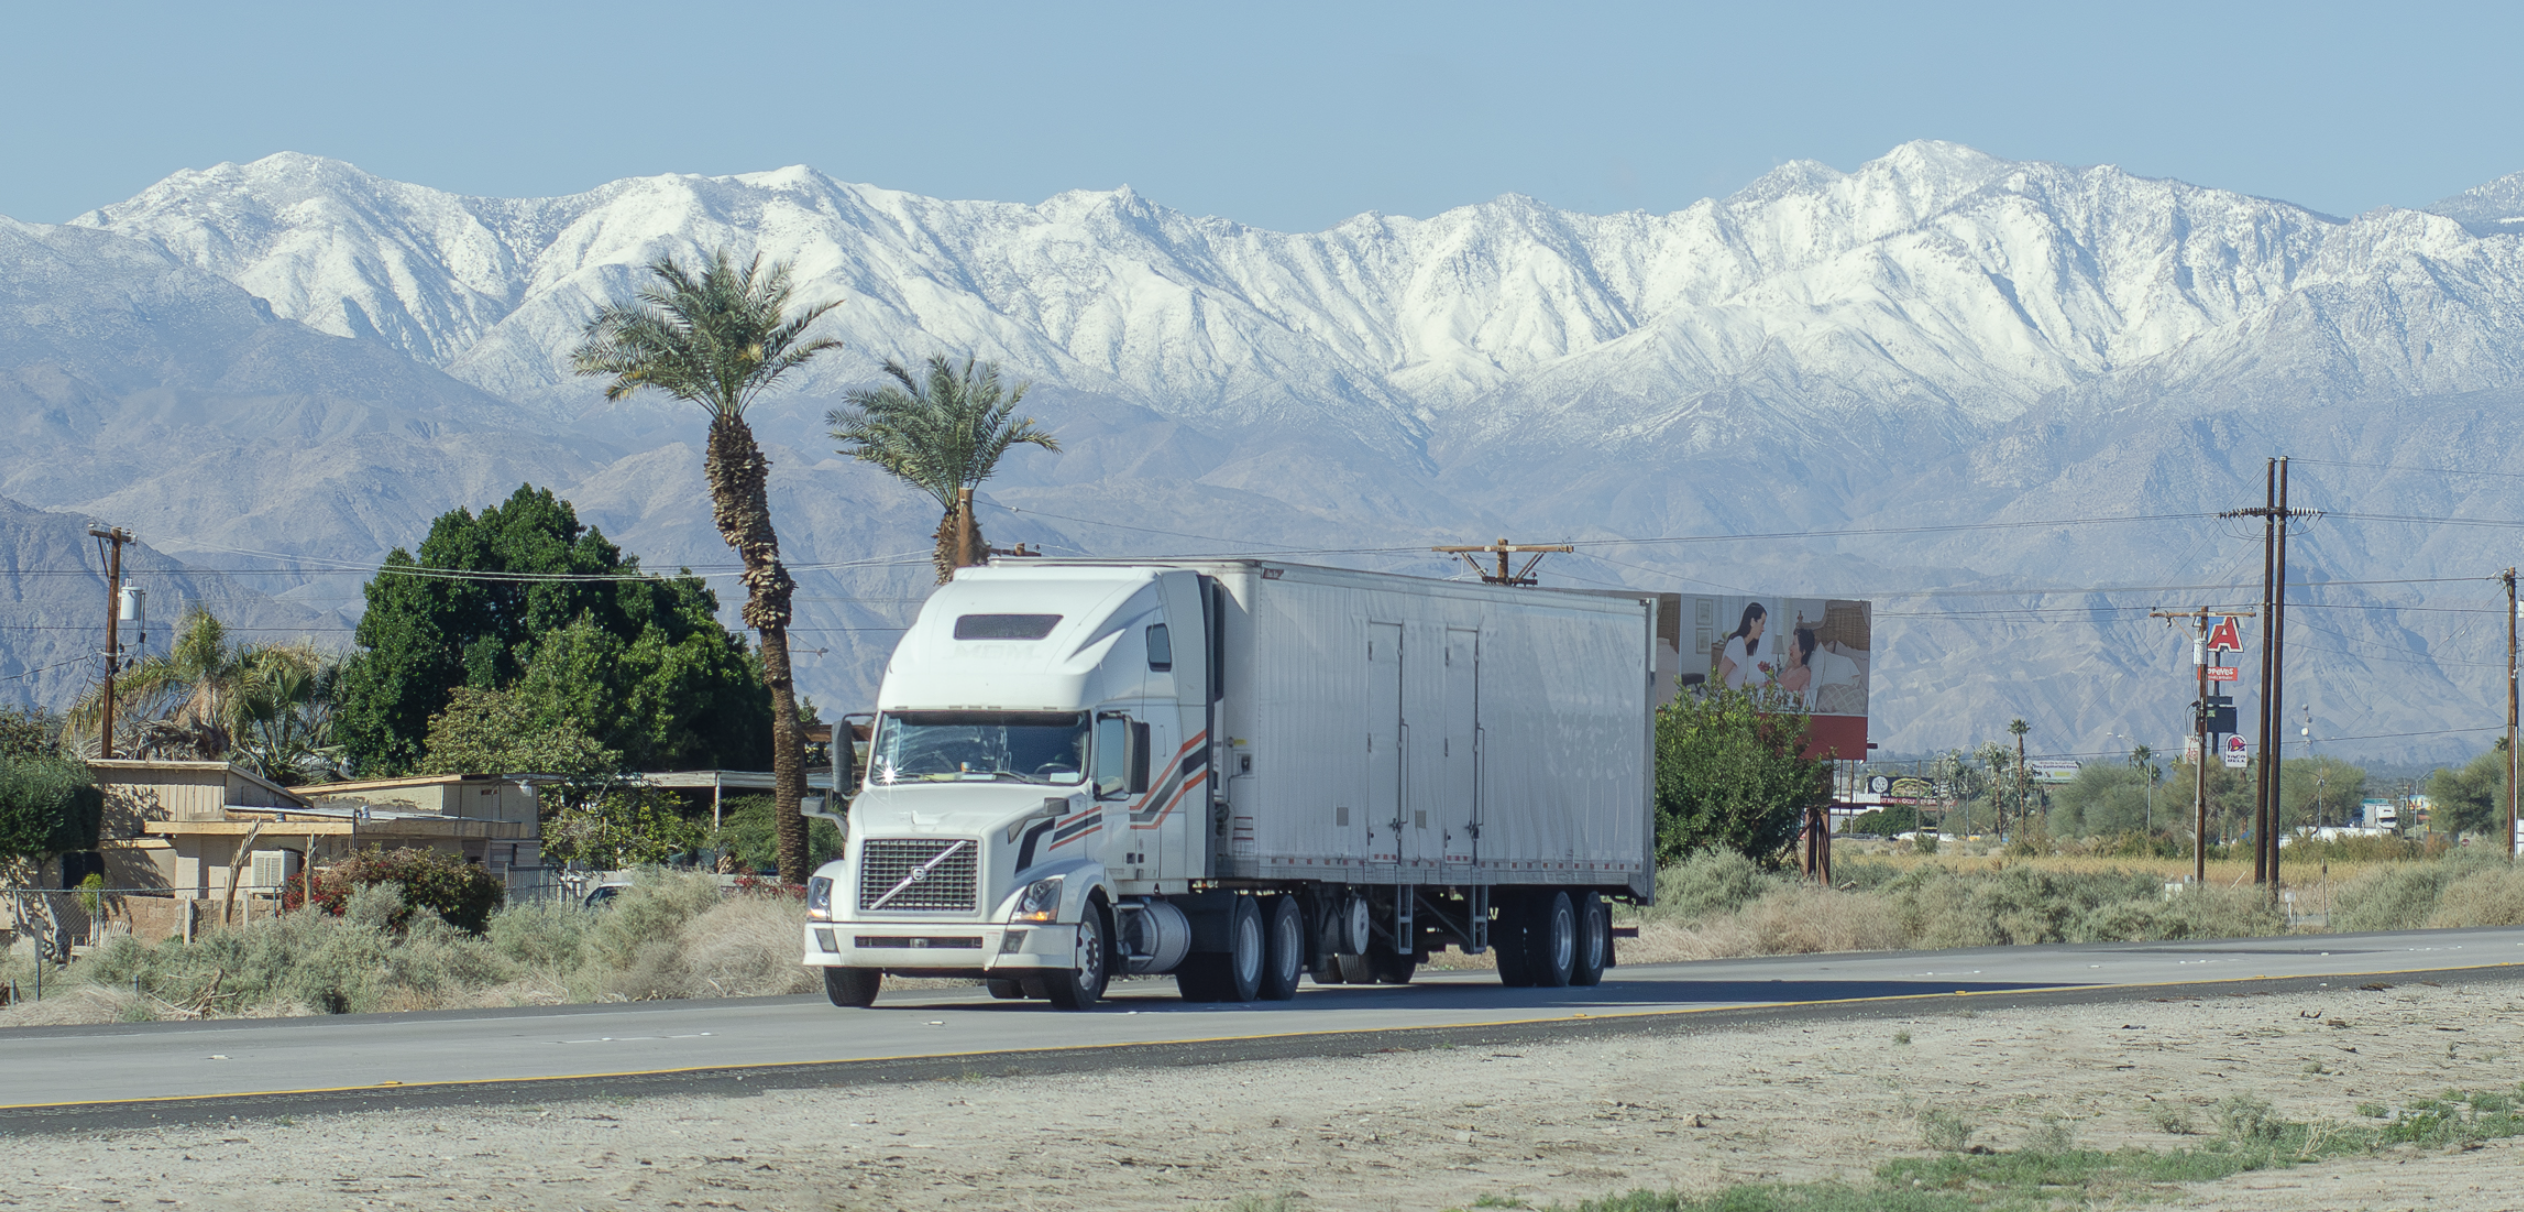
1938, 337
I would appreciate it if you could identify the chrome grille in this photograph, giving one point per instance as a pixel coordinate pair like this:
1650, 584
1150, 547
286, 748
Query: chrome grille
887, 862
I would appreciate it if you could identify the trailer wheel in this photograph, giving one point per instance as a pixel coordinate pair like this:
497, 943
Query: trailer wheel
1284, 950
1551, 939
852, 988
1355, 970
1228, 976
1594, 940
1081, 987
1005, 990
1507, 940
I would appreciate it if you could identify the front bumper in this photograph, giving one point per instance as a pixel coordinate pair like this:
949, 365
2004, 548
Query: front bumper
942, 946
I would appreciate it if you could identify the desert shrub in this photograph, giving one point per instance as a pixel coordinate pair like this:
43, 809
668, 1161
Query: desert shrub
2244, 1119
543, 934
2397, 897
2352, 850
1710, 883
2492, 896
1946, 1130
2197, 912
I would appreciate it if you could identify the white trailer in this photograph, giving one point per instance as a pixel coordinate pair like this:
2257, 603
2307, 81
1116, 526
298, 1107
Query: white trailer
1241, 772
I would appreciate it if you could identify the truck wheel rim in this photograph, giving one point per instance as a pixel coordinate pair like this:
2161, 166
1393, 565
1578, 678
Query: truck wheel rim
1091, 941
1248, 948
1563, 940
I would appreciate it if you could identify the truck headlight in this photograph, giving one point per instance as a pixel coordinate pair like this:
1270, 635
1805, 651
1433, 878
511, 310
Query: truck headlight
819, 899
1040, 902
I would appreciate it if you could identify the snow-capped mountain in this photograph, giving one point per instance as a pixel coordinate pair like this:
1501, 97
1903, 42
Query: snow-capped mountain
1937, 281
1938, 336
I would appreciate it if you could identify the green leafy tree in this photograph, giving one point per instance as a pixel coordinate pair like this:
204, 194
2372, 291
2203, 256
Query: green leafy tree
497, 732
1732, 775
2323, 790
2470, 798
524, 596
2104, 798
943, 433
720, 339
628, 825
745, 832
49, 804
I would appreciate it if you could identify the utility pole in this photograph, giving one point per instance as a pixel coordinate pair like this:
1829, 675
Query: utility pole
117, 536
2274, 515
2510, 713
2199, 731
1503, 549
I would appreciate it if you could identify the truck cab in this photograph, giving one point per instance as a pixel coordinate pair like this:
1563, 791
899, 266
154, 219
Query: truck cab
1037, 783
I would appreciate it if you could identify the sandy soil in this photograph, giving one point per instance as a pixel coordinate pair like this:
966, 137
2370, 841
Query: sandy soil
1409, 1130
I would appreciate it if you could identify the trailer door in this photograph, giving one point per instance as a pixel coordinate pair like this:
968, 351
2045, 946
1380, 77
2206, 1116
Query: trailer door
1384, 743
1459, 789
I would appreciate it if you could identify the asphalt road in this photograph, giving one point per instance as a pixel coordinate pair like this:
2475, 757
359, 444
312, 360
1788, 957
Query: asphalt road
60, 1078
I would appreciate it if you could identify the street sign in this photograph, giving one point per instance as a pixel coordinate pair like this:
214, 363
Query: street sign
2226, 635
2238, 753
2224, 673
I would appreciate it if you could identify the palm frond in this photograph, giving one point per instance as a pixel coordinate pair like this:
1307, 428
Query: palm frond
942, 430
718, 339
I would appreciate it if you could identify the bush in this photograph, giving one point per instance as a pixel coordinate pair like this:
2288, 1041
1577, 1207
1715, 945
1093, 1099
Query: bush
2396, 897
1711, 883
462, 894
2491, 897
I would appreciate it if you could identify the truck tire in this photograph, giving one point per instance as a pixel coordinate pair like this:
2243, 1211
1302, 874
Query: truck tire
852, 988
1284, 949
1234, 975
1005, 990
1327, 970
1354, 970
1507, 940
1083, 986
1594, 940
1551, 938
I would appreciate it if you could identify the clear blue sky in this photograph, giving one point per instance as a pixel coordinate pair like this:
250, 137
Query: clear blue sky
1286, 115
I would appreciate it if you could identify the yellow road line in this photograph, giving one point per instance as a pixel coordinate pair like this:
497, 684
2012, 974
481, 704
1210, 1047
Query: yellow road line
1214, 1039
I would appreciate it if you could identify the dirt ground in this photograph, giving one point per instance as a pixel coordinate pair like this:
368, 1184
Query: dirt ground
1407, 1130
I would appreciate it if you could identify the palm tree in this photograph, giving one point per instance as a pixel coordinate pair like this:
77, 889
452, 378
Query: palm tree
720, 340
2018, 727
943, 436
210, 699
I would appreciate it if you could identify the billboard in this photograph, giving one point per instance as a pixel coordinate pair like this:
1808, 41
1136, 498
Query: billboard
1812, 656
2053, 770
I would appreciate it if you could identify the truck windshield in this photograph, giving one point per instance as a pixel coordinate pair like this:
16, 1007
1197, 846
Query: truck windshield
945, 746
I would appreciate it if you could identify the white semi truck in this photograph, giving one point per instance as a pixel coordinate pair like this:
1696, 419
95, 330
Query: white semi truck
1242, 772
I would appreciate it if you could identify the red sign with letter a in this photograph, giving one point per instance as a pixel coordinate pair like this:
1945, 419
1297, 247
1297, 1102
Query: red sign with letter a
2226, 636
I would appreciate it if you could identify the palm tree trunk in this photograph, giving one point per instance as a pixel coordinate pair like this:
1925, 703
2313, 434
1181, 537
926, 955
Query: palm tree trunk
948, 554
741, 505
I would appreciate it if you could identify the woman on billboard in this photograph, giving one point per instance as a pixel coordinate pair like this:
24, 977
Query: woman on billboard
1735, 664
